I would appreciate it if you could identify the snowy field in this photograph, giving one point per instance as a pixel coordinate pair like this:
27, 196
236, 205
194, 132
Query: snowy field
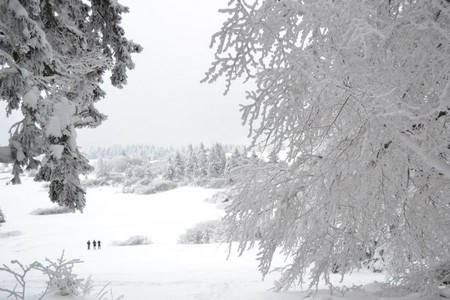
161, 270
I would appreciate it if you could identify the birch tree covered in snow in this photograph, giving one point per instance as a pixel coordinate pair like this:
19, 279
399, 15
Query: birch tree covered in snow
357, 92
53, 56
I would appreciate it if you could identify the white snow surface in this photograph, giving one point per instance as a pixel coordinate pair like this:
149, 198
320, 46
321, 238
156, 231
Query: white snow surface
16, 7
57, 124
31, 97
161, 270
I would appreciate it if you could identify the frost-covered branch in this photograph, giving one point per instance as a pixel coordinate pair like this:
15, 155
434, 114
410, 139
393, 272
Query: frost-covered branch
61, 278
20, 279
355, 95
60, 275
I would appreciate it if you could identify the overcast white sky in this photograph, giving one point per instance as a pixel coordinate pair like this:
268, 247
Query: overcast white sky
164, 102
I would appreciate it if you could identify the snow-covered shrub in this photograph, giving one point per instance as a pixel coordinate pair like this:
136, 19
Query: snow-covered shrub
135, 240
112, 179
156, 186
8, 234
94, 182
51, 211
161, 185
204, 233
61, 279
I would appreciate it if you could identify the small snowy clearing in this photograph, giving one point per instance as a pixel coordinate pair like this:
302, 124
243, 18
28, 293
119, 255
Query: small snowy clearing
157, 271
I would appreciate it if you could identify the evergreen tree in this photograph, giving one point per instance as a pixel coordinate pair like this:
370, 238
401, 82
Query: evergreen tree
2, 217
234, 161
102, 168
169, 173
179, 165
217, 161
202, 168
53, 56
192, 163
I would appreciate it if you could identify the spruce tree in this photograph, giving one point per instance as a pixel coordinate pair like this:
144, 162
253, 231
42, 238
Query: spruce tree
179, 165
169, 172
2, 217
192, 163
102, 168
202, 168
234, 161
217, 161
53, 57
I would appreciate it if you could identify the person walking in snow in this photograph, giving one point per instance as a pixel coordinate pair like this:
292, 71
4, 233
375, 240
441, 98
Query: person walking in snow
99, 245
94, 243
89, 244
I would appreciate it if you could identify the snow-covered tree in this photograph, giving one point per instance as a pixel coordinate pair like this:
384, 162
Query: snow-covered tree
103, 169
234, 160
179, 165
2, 217
202, 168
192, 162
53, 55
358, 94
217, 161
169, 172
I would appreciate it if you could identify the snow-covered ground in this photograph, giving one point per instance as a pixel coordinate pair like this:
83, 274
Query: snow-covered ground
161, 270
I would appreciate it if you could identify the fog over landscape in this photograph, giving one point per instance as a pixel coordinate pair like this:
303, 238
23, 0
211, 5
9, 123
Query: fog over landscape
224, 150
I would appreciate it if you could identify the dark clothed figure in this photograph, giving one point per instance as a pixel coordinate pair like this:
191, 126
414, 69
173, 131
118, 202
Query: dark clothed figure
89, 245
95, 244
99, 245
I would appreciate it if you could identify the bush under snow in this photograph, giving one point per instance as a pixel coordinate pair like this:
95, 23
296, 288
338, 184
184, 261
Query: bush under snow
61, 280
135, 240
51, 211
150, 187
204, 233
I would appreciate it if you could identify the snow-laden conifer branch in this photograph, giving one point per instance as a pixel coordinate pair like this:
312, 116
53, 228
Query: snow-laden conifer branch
53, 56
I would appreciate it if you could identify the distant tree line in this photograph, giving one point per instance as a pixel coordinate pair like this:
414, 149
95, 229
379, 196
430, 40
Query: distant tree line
204, 165
151, 152
146, 169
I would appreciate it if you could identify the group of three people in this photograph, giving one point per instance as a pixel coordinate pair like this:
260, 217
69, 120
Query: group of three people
96, 244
